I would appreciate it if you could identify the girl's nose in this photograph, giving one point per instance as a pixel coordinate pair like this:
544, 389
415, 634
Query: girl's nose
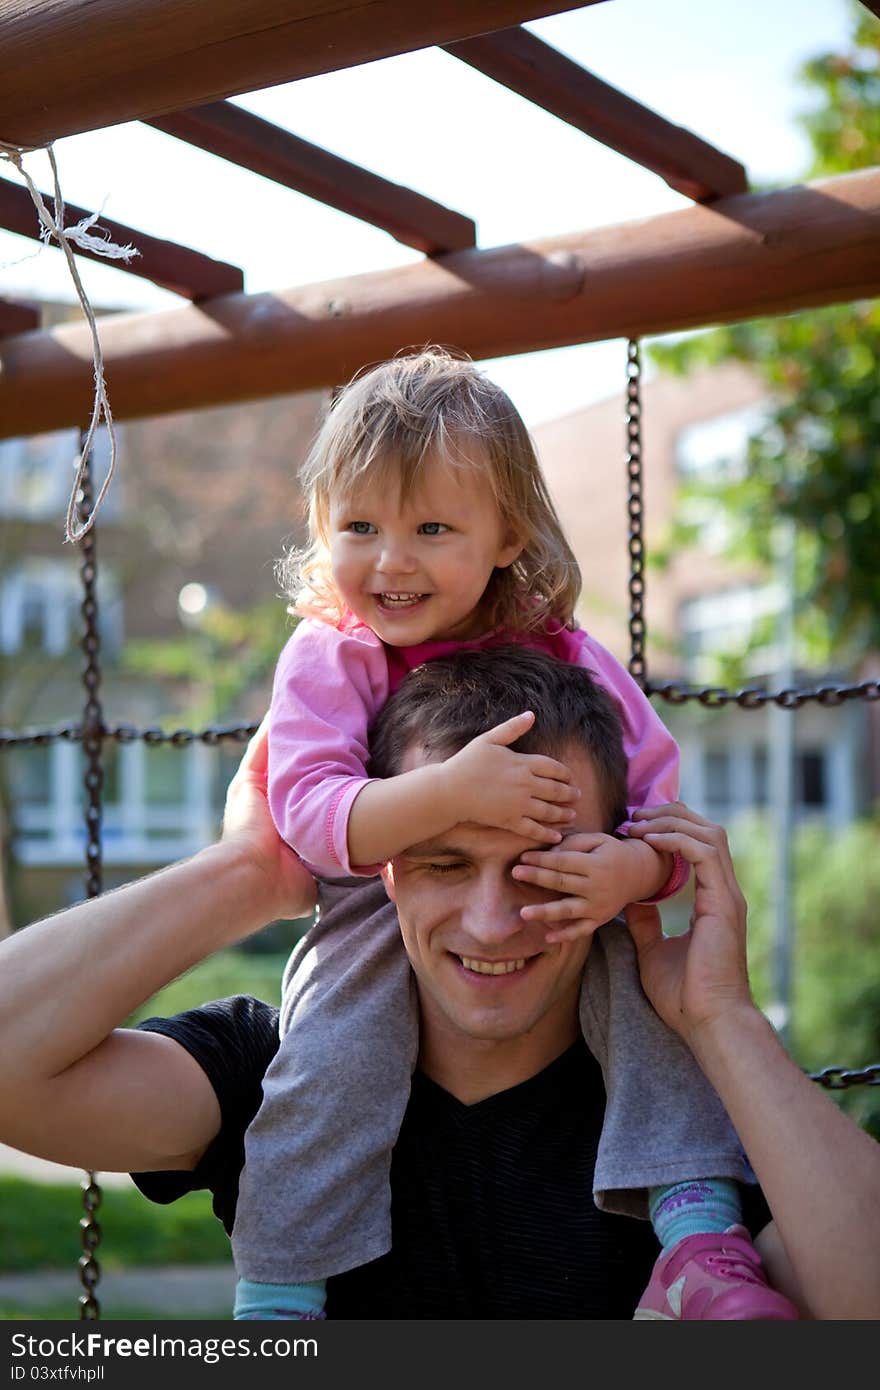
396, 558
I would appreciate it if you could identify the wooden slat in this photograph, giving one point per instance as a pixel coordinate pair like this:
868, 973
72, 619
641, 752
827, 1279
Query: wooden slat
226, 130
17, 318
69, 66
174, 267
735, 259
546, 77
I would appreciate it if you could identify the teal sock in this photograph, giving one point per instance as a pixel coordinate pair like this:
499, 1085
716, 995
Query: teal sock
693, 1208
276, 1302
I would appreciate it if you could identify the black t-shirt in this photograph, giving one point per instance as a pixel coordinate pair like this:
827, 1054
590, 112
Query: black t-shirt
492, 1208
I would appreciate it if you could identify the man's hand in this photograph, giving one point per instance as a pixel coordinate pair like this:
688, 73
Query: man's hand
595, 876
525, 793
693, 979
247, 823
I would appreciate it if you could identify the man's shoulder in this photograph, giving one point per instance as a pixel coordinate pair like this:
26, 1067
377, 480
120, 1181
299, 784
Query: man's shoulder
238, 1034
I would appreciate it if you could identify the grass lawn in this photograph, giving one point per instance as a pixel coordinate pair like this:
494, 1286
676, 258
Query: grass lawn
228, 972
67, 1311
40, 1224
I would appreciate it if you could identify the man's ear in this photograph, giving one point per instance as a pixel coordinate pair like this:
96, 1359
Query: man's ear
387, 876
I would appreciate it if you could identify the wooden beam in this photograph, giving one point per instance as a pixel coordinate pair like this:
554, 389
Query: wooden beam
546, 77
226, 130
17, 318
174, 267
69, 66
737, 259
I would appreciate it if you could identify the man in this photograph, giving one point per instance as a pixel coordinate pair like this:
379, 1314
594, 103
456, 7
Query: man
173, 1100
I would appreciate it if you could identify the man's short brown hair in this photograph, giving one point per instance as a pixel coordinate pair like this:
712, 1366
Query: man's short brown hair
442, 705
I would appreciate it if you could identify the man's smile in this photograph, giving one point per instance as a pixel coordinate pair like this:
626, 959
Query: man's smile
492, 967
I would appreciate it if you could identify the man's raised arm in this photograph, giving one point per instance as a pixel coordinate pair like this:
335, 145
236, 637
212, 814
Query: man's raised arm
71, 1088
819, 1172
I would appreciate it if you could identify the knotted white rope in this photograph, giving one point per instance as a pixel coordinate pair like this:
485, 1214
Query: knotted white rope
52, 228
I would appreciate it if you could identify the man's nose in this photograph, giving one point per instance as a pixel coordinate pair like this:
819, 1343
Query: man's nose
490, 913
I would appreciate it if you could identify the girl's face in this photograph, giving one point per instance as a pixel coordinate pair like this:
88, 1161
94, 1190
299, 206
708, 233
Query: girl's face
418, 572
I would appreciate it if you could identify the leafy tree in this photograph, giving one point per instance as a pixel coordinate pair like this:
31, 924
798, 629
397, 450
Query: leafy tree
229, 657
836, 975
816, 461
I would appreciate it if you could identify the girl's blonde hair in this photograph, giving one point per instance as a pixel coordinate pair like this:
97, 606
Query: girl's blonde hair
382, 428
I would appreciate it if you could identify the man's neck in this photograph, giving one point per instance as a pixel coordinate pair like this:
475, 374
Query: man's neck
471, 1069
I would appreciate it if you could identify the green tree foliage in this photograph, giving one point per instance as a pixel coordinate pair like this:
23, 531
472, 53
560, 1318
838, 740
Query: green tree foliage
836, 966
817, 459
232, 653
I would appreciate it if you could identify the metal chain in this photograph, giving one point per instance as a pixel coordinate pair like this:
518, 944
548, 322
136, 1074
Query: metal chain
127, 733
832, 1078
756, 697
92, 735
840, 1079
637, 665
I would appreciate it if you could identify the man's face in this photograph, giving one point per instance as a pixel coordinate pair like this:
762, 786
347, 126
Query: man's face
484, 975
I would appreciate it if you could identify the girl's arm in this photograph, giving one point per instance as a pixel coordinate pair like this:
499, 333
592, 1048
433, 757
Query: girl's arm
328, 685
486, 782
654, 763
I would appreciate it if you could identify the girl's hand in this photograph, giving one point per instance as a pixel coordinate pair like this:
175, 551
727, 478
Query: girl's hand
526, 793
595, 876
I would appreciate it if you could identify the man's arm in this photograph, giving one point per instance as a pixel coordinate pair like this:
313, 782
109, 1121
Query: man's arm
71, 1088
819, 1172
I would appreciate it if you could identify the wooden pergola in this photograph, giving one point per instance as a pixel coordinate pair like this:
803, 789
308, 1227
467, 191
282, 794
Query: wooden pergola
70, 68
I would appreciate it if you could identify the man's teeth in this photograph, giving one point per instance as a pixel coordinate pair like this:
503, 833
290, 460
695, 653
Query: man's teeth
492, 967
401, 600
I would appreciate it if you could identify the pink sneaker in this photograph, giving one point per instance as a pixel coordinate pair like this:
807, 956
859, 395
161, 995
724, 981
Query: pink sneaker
713, 1278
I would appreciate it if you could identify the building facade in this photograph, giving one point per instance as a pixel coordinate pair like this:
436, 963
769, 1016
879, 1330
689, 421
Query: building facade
699, 606
201, 504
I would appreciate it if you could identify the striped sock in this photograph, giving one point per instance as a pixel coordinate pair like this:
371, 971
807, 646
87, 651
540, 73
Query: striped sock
692, 1208
276, 1302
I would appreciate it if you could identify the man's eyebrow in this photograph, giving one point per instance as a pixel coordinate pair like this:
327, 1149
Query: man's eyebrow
434, 849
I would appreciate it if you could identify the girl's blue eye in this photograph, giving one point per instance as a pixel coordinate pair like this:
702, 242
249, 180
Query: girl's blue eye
433, 528
361, 528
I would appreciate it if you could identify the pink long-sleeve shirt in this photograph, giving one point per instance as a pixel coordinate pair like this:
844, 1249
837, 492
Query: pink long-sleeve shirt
330, 681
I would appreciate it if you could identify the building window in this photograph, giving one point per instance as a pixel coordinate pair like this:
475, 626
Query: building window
724, 624
36, 475
717, 777
716, 450
154, 810
29, 775
811, 780
759, 775
40, 608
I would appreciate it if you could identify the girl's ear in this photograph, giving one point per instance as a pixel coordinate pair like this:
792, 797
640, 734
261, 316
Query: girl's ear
511, 548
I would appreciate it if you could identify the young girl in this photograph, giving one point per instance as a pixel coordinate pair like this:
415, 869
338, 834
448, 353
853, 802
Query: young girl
431, 529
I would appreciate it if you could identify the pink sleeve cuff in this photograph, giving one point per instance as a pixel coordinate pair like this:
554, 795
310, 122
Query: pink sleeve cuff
677, 879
